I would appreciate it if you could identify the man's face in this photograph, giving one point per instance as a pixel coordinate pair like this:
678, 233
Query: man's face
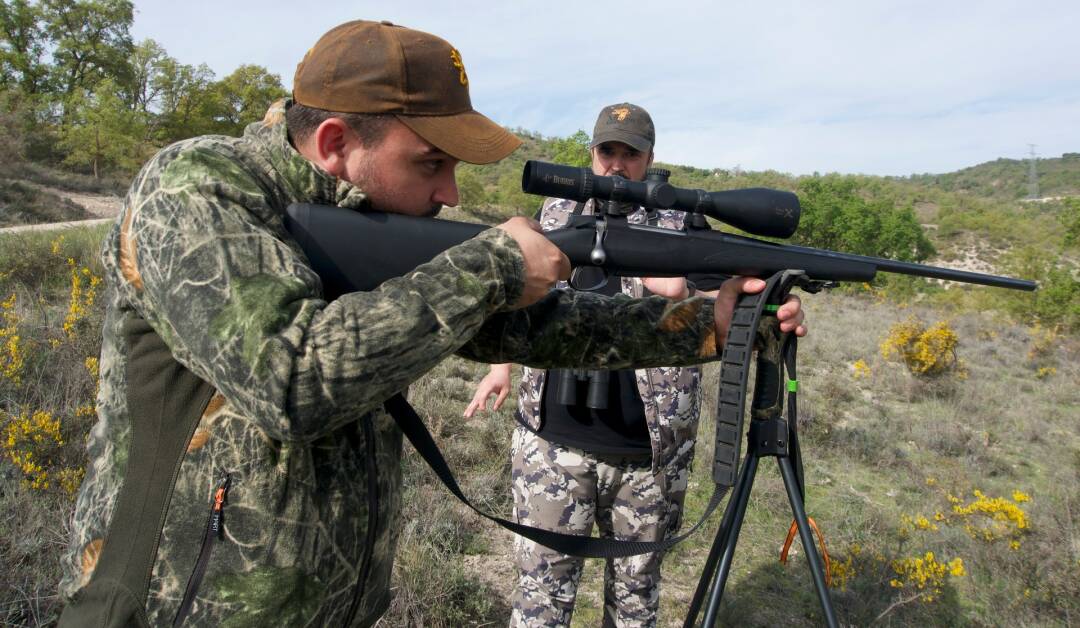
402, 174
611, 158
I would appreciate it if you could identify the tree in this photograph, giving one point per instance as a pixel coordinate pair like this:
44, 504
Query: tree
244, 96
91, 42
573, 150
1070, 219
187, 101
508, 194
836, 216
470, 189
148, 60
102, 133
22, 46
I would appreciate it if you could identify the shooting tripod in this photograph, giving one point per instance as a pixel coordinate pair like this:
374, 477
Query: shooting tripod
770, 435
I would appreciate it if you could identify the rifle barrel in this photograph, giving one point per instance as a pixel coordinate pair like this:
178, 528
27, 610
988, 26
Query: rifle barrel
922, 270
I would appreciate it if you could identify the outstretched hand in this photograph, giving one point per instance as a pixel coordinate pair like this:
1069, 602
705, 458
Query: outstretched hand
497, 383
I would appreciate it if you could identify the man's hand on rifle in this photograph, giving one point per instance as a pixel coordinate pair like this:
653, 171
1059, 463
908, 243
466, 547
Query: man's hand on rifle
790, 313
544, 262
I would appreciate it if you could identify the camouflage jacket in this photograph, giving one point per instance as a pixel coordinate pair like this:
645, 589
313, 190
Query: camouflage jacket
201, 255
669, 394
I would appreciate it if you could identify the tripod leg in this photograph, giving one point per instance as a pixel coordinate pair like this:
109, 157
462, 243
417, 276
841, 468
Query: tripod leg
709, 570
816, 569
731, 537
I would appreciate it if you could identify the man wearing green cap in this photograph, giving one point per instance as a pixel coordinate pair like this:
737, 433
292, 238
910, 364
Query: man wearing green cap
243, 470
623, 466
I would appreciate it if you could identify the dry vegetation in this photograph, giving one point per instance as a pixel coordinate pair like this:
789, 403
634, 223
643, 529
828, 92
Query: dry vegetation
893, 462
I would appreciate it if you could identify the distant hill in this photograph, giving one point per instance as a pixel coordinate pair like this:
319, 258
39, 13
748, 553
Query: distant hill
1007, 179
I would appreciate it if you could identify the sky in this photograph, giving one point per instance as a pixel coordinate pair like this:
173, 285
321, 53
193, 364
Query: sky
860, 86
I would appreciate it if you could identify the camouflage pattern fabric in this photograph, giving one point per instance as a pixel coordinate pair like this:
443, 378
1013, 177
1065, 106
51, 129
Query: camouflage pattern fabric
200, 252
567, 489
671, 399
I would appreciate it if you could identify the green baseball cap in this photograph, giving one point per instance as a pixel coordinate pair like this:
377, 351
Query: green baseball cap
624, 123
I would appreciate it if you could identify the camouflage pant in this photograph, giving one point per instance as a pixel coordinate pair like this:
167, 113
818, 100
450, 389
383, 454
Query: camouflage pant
567, 489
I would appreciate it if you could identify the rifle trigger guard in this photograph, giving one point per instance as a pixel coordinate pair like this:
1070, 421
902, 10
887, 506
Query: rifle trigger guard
598, 256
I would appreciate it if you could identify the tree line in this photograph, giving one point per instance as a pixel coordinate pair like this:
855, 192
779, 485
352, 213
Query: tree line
76, 90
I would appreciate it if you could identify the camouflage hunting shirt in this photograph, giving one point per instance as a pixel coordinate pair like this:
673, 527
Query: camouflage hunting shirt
669, 394
201, 254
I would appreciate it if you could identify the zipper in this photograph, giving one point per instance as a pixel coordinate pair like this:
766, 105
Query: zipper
373, 518
214, 530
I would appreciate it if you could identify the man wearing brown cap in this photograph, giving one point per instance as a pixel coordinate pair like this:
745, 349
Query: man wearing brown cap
623, 466
243, 469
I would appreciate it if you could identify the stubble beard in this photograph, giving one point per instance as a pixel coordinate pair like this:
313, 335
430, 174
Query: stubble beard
384, 197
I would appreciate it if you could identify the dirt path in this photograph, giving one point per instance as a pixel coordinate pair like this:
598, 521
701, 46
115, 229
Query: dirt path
104, 206
49, 226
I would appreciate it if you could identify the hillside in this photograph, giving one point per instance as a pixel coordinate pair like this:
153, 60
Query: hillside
1007, 179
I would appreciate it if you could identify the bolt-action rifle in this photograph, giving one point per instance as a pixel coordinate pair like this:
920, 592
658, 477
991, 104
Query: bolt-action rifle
357, 251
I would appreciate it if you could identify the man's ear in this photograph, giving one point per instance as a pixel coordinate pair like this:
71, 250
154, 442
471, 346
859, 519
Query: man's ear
330, 144
651, 155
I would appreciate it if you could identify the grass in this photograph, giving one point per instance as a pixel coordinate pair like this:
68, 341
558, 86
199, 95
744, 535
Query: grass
878, 446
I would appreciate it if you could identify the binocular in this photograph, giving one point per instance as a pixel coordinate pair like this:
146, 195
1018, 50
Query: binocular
596, 398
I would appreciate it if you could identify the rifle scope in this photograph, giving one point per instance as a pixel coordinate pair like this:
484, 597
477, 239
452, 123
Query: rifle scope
758, 211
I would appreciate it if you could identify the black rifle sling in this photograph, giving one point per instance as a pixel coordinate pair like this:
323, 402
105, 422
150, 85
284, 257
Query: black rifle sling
735, 371
790, 350
575, 545
737, 360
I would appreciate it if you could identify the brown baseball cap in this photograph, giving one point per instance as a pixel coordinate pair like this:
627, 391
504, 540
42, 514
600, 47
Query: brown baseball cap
624, 123
379, 67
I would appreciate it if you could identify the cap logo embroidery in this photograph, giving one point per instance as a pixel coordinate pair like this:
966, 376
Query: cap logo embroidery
455, 58
620, 114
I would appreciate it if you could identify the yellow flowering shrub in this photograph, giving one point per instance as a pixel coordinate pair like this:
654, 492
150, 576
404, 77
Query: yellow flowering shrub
919, 523
81, 299
33, 442
925, 575
842, 572
1045, 371
29, 439
89, 409
860, 369
12, 356
878, 294
993, 518
70, 479
1044, 341
925, 351
1041, 352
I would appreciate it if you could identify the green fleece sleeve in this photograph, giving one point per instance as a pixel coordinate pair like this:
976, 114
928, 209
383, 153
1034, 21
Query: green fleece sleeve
569, 328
